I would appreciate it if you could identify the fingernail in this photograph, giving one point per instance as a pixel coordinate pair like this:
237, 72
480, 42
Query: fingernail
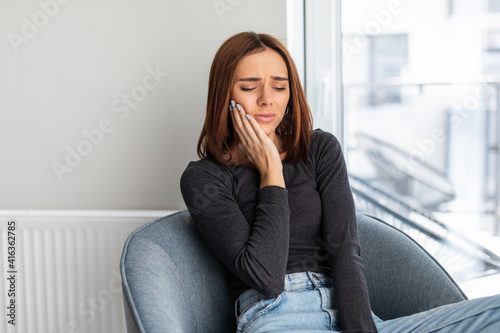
232, 103
238, 107
230, 108
248, 117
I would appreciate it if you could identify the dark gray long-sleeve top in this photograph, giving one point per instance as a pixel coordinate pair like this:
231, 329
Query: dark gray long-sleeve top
263, 234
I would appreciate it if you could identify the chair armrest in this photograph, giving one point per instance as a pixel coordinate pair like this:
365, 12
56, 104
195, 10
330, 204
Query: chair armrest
172, 282
156, 288
402, 277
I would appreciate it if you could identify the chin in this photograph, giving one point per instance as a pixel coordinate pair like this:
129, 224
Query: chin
269, 130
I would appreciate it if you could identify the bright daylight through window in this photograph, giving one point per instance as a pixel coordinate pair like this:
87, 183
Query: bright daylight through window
421, 108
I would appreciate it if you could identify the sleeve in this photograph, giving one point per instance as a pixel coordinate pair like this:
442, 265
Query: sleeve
339, 227
255, 252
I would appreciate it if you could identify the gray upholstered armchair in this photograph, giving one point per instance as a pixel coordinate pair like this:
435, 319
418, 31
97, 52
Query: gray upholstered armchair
173, 283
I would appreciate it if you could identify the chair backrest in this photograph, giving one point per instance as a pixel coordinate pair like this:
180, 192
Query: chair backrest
172, 282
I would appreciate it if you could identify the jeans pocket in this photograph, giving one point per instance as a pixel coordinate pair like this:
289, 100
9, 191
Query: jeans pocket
257, 310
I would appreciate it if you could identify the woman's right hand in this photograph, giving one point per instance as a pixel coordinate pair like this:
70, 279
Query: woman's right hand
259, 149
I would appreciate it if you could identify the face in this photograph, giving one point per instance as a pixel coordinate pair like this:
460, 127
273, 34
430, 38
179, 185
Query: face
261, 87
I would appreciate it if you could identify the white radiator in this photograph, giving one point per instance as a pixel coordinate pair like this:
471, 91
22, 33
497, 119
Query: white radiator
65, 275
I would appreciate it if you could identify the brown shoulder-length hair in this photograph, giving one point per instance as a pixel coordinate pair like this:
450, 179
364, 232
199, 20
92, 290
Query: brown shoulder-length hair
217, 135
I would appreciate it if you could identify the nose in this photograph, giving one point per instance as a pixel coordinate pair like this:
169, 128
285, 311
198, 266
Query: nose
265, 97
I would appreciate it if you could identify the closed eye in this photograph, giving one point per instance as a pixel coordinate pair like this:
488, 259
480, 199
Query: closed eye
250, 89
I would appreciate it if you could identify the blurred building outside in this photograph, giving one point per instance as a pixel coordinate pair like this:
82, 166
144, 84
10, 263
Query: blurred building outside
421, 84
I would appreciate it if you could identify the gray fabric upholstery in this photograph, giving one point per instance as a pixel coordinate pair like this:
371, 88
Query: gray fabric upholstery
173, 283
402, 277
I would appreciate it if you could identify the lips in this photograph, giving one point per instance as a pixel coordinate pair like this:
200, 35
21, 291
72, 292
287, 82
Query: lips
264, 117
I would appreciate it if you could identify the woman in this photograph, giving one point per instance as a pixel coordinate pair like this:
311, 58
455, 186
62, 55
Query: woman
271, 198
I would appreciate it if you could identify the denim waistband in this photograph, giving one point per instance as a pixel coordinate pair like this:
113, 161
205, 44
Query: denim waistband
293, 282
307, 281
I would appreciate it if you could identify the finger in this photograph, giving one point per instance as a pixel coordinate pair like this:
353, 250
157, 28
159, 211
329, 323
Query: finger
245, 118
242, 127
237, 122
259, 132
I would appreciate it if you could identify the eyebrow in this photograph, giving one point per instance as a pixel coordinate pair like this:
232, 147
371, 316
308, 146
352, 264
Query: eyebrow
255, 79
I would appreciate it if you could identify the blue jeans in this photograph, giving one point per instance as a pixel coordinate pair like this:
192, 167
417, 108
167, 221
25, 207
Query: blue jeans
306, 305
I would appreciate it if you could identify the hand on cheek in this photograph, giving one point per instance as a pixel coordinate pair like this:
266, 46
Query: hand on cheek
254, 142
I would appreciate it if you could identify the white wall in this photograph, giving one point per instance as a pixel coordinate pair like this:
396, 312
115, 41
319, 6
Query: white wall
65, 70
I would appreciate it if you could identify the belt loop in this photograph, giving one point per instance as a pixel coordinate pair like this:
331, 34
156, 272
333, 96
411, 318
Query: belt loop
313, 278
287, 283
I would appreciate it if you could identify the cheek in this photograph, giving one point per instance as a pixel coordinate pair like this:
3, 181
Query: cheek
237, 96
287, 97
244, 100
282, 100
235, 93
232, 94
279, 119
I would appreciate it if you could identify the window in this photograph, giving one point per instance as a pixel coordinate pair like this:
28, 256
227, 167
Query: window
388, 58
491, 60
494, 5
468, 7
414, 97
